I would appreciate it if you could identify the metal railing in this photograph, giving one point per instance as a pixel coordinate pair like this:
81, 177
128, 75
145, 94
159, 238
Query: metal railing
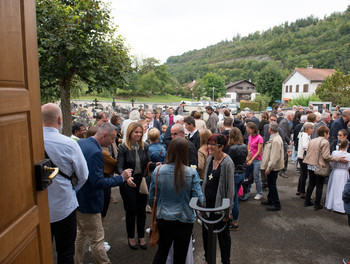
210, 224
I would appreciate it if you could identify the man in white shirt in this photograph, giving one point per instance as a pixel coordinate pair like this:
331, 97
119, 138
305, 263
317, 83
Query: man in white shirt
66, 154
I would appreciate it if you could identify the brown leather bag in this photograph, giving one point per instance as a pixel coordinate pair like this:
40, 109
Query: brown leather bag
154, 233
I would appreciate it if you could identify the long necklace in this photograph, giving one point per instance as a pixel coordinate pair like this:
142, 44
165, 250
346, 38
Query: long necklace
210, 177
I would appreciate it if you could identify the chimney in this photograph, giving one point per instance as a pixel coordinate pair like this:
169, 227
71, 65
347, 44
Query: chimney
310, 66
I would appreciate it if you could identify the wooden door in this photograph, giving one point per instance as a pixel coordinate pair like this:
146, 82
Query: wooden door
24, 223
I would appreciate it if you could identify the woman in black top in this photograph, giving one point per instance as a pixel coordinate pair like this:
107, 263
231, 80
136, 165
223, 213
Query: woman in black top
218, 184
238, 152
134, 154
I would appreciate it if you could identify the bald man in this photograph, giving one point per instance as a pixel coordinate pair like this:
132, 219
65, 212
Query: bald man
66, 154
178, 130
91, 195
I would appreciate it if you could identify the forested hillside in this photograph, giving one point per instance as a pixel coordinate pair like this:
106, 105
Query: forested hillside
324, 43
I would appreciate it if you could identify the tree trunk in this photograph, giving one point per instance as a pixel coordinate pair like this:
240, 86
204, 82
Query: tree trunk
65, 106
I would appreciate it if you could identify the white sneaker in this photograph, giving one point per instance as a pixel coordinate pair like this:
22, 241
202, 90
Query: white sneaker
107, 247
148, 230
258, 197
148, 209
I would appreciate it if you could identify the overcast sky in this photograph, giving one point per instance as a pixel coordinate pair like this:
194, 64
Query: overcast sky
161, 28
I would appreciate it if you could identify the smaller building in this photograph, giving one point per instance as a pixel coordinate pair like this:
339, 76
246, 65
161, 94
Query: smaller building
240, 90
303, 81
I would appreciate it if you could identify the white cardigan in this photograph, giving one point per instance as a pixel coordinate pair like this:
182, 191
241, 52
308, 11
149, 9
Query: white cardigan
303, 143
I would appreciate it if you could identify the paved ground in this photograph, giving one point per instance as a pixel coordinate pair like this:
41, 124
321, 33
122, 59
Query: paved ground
293, 235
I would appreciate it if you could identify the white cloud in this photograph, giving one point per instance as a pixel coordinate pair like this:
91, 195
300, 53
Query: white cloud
160, 28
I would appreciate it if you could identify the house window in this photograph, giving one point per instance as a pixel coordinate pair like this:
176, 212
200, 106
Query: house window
306, 88
297, 88
286, 88
290, 88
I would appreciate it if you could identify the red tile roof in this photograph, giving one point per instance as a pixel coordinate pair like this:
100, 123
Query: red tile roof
315, 74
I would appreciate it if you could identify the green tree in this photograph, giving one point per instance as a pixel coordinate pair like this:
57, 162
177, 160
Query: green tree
263, 101
211, 80
335, 89
156, 81
269, 81
77, 41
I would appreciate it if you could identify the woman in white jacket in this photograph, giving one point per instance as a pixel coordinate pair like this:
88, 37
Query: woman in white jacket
304, 139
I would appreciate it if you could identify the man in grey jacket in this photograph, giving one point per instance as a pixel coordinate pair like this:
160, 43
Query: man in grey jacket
325, 119
286, 127
213, 119
272, 162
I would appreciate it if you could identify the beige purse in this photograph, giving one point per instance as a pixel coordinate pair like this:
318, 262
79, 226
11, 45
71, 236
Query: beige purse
143, 186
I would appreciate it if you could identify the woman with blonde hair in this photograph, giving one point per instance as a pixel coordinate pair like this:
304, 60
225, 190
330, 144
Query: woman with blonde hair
133, 153
203, 152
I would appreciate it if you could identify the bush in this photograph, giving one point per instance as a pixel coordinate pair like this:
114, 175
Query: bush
263, 100
251, 105
304, 100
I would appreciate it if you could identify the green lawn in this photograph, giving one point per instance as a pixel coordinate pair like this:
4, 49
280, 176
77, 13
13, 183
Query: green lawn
152, 99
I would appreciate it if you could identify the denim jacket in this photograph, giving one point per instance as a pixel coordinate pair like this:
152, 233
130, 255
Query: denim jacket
155, 152
172, 205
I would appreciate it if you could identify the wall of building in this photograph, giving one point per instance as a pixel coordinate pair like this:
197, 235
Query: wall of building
298, 79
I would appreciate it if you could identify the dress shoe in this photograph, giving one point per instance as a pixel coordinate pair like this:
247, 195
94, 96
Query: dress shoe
133, 247
273, 208
308, 203
144, 246
233, 227
283, 174
265, 203
318, 207
244, 197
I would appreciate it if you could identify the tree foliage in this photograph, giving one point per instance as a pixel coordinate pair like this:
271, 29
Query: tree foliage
269, 81
77, 42
263, 101
211, 80
336, 89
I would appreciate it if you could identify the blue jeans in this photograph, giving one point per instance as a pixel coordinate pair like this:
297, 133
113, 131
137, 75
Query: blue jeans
239, 177
256, 172
294, 155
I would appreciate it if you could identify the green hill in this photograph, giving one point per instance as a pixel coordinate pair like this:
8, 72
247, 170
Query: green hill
324, 43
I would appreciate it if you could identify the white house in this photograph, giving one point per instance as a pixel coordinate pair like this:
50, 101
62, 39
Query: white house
240, 90
303, 82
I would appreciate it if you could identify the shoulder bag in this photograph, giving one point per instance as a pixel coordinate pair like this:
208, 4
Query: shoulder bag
154, 233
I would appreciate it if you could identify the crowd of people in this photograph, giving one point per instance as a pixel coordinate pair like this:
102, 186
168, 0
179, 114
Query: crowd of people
175, 158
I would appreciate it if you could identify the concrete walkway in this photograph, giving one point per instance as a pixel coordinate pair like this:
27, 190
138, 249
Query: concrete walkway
293, 235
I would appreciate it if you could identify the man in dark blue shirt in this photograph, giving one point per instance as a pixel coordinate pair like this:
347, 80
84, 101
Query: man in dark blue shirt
91, 195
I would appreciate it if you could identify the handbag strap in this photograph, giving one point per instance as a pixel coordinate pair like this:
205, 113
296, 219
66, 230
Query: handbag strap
161, 151
147, 172
155, 198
